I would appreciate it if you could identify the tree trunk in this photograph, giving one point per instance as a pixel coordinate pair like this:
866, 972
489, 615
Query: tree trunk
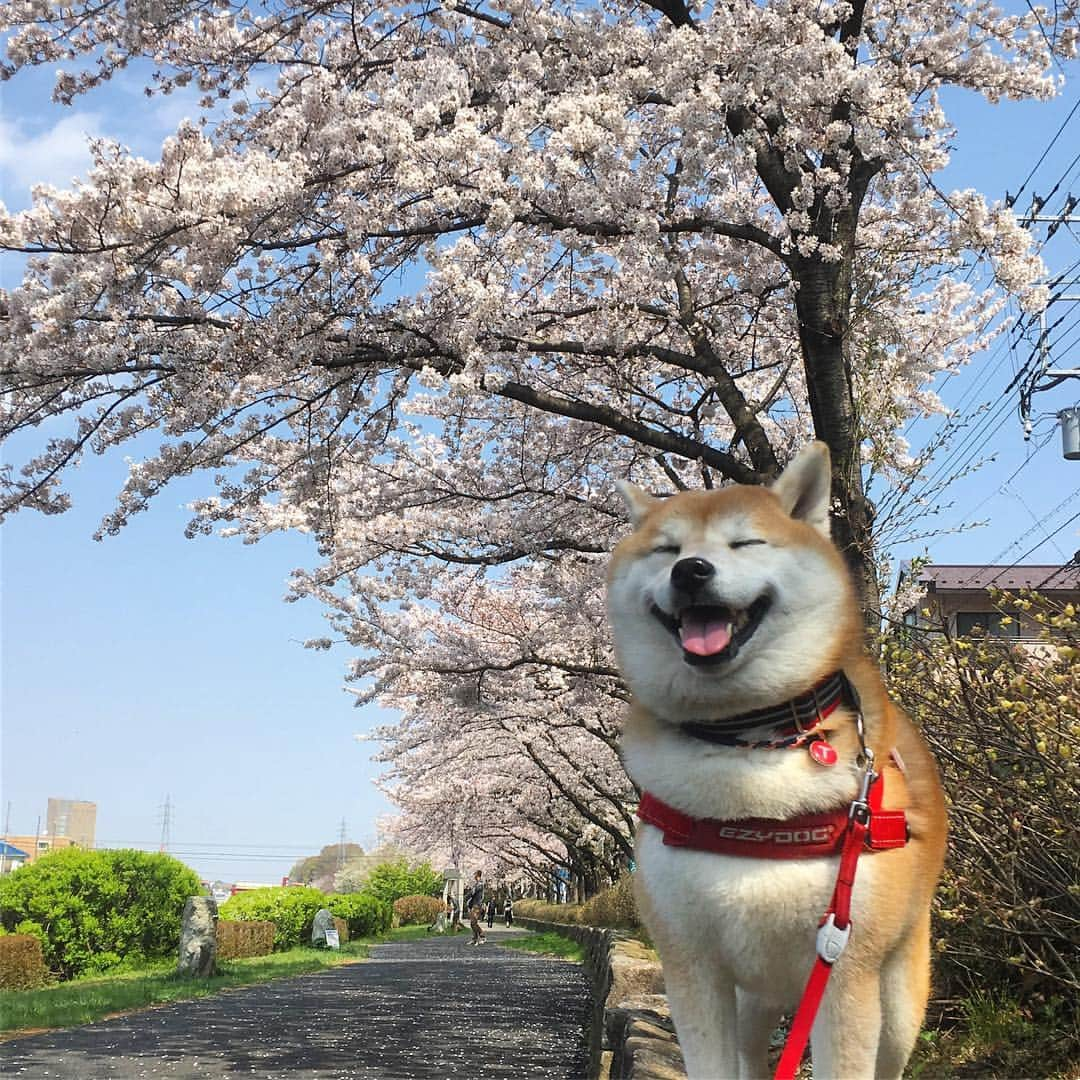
823, 301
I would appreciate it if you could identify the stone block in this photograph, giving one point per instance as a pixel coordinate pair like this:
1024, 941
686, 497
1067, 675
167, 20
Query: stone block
632, 976
198, 937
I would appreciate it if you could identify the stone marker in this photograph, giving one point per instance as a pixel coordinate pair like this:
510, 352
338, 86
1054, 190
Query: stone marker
198, 937
324, 921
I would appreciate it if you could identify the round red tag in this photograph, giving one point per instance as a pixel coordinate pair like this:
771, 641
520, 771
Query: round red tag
823, 753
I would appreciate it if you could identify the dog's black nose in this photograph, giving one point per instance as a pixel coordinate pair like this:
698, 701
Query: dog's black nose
691, 574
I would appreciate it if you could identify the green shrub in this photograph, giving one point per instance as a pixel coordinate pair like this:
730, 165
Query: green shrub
612, 908
390, 880
94, 910
417, 910
366, 915
291, 909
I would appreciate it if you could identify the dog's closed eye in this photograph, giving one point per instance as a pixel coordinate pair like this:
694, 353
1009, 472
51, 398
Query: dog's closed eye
735, 544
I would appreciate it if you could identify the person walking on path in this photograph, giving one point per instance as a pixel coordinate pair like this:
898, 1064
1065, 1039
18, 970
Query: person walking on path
508, 910
491, 912
474, 904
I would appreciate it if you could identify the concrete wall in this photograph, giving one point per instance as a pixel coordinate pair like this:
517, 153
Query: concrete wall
630, 1032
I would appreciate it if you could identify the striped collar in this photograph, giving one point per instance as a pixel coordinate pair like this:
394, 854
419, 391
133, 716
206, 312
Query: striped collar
793, 719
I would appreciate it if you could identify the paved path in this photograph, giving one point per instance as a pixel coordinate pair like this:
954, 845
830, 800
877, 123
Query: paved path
436, 1008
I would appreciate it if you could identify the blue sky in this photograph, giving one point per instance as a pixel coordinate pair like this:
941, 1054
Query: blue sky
149, 666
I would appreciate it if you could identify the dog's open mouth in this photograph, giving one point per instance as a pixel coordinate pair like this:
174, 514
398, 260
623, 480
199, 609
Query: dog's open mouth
710, 634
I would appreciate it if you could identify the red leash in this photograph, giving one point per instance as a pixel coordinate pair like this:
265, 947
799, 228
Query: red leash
835, 929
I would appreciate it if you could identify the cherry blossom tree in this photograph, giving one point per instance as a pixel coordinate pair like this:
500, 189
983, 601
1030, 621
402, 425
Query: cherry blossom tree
424, 279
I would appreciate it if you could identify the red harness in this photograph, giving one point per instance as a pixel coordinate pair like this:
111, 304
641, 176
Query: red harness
863, 824
764, 838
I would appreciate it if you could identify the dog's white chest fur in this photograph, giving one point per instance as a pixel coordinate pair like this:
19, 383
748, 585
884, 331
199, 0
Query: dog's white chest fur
751, 920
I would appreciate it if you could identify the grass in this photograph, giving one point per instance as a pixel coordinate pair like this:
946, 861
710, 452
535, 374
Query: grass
994, 1036
549, 944
83, 1000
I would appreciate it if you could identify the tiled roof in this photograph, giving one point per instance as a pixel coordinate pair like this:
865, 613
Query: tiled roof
953, 578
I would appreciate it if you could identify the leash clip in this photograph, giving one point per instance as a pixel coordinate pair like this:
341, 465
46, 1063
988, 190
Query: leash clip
832, 939
860, 805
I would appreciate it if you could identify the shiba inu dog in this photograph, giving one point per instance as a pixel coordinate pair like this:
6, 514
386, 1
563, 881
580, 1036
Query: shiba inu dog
757, 730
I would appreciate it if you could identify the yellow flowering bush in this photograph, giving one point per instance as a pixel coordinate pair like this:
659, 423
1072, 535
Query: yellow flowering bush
1003, 720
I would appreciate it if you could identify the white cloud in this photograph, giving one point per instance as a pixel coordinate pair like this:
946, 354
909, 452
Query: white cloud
55, 155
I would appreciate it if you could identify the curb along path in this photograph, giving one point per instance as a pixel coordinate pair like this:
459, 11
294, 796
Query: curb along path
425, 1009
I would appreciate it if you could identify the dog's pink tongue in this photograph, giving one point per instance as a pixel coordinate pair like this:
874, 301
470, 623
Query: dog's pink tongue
704, 636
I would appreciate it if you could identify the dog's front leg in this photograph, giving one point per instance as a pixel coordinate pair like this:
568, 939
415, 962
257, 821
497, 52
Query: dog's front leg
703, 1008
757, 1021
905, 986
844, 1039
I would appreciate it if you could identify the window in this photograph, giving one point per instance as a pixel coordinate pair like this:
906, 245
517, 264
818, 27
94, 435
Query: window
988, 622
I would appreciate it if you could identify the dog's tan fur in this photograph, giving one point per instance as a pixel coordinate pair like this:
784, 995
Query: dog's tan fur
736, 935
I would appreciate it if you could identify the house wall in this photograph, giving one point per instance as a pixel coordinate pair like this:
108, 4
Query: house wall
36, 846
946, 604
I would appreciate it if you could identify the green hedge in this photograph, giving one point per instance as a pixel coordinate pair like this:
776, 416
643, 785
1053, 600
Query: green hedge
95, 910
292, 911
365, 914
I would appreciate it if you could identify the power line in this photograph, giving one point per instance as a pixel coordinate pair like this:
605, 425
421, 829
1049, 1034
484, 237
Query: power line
1023, 536
341, 846
1009, 200
1000, 490
213, 844
1064, 525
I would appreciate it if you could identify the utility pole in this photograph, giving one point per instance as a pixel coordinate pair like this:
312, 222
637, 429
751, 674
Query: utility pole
1046, 377
7, 833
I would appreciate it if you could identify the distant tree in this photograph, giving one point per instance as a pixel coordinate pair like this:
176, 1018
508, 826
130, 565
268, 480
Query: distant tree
319, 869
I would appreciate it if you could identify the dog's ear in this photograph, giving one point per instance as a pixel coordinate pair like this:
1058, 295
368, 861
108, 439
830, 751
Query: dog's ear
638, 502
804, 488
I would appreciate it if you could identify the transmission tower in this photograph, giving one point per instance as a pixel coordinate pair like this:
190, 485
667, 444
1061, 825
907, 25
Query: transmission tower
341, 846
166, 824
